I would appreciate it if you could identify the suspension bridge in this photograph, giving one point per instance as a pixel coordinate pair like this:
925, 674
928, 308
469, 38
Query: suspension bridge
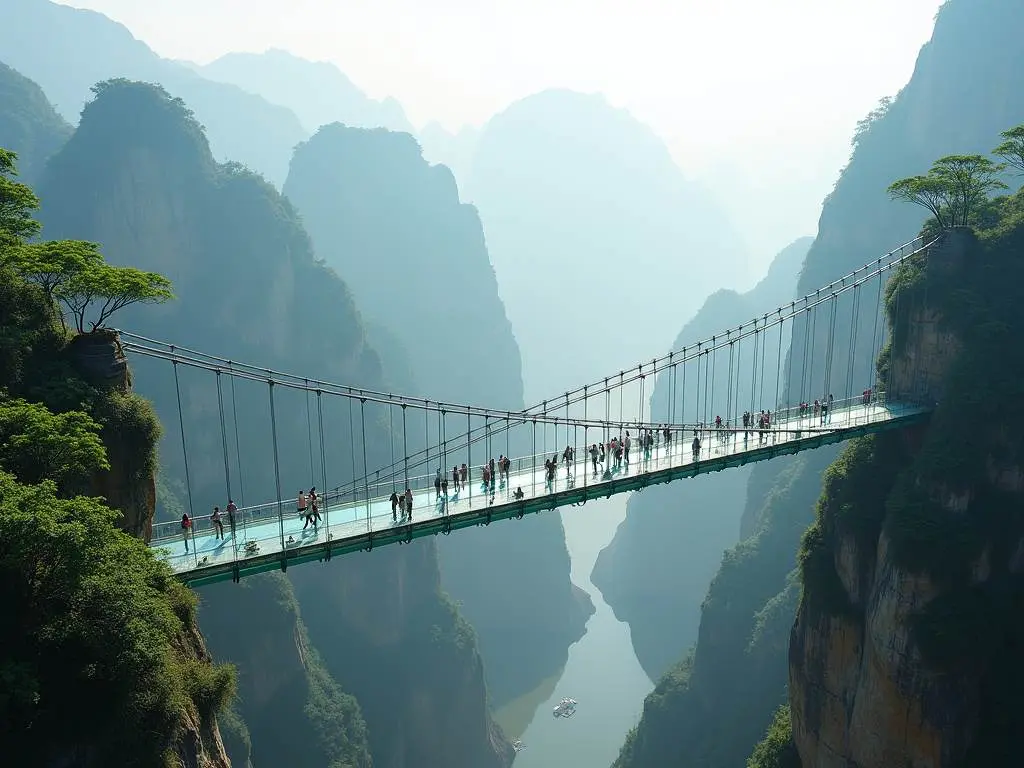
751, 393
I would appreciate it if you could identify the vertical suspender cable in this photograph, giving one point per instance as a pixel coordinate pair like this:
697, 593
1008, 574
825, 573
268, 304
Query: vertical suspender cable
764, 346
391, 431
426, 435
792, 351
366, 470
323, 464
238, 452
874, 333
277, 468
405, 446
223, 435
469, 452
729, 415
444, 447
753, 371
814, 343
184, 453
309, 435
534, 473
778, 365
351, 442
682, 396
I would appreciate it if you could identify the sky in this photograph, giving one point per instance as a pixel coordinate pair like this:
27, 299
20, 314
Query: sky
757, 100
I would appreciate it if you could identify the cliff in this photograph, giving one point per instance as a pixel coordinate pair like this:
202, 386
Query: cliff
904, 649
29, 125
587, 219
417, 261
101, 656
965, 90
316, 91
67, 50
656, 570
138, 175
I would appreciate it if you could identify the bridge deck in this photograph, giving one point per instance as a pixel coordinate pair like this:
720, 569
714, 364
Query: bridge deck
279, 540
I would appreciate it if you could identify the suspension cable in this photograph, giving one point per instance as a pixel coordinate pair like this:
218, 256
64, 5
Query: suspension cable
184, 453
323, 464
238, 451
277, 465
223, 436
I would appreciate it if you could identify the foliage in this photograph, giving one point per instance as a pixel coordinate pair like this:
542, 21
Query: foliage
953, 190
1012, 148
37, 445
110, 289
776, 749
88, 653
17, 202
53, 264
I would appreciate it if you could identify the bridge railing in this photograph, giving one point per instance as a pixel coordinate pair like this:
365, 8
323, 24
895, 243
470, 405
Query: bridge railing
352, 503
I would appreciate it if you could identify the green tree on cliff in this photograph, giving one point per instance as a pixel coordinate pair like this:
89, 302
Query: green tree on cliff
1012, 148
72, 272
953, 190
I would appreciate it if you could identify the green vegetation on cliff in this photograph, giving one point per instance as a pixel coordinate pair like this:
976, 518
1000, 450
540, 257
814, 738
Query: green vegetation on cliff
96, 655
946, 500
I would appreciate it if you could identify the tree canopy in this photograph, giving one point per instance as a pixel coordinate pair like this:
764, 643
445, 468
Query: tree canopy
1012, 148
37, 445
17, 203
957, 187
953, 190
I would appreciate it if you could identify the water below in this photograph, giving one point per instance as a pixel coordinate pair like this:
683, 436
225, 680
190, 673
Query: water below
602, 672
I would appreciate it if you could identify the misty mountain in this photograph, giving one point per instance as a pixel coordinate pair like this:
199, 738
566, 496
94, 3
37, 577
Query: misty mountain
600, 243
417, 262
66, 51
316, 91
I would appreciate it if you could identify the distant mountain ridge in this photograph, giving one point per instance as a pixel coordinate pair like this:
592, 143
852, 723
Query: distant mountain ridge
317, 91
66, 51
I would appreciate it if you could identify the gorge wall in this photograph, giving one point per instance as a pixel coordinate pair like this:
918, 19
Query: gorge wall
379, 213
904, 647
138, 176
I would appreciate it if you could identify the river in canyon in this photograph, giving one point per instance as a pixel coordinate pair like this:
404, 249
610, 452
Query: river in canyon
602, 672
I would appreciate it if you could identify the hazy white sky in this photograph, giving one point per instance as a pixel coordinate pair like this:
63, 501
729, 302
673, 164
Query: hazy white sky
757, 99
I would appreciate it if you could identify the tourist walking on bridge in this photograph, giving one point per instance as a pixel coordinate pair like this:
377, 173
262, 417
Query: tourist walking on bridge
408, 503
218, 526
394, 506
231, 509
301, 503
186, 528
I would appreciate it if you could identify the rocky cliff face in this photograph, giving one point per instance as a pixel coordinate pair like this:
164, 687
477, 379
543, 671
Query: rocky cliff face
912, 573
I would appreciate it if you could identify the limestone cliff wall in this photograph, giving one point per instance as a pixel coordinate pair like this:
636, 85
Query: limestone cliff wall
904, 649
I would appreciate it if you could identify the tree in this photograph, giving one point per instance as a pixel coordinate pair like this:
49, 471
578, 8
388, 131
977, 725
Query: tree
54, 263
37, 445
110, 289
970, 179
928, 192
17, 202
953, 190
1012, 148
